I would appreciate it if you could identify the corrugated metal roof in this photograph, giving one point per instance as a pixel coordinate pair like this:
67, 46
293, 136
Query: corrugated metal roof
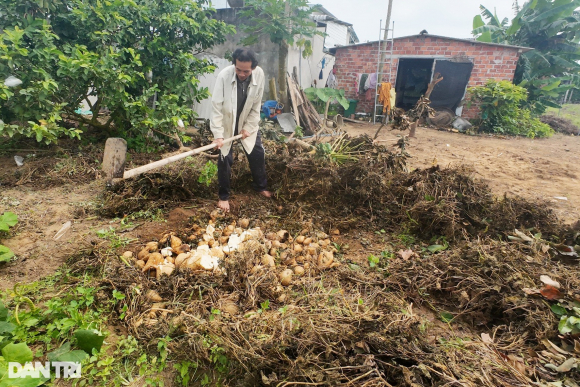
323, 18
524, 49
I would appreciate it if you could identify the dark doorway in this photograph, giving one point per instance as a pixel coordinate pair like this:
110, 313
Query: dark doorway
449, 92
413, 77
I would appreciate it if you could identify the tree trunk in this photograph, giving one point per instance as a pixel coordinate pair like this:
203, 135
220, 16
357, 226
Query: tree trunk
282, 71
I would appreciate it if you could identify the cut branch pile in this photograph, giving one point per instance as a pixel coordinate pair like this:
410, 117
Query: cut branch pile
304, 112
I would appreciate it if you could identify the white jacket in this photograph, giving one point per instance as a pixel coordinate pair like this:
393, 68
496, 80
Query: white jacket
224, 102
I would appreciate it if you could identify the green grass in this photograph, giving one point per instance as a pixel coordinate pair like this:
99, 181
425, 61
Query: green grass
569, 111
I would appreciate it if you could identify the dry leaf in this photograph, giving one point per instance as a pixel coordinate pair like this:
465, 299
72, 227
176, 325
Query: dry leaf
517, 363
523, 236
531, 292
549, 345
551, 293
566, 250
486, 338
548, 281
406, 254
564, 367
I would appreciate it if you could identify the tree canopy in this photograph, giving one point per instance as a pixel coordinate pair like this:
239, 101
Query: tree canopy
135, 58
552, 29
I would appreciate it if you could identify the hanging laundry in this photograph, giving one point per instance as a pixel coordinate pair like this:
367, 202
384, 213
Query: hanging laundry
321, 75
372, 81
323, 62
332, 82
385, 96
370, 95
393, 97
362, 83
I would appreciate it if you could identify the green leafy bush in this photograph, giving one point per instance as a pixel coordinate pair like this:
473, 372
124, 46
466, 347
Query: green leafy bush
7, 220
136, 58
502, 112
208, 174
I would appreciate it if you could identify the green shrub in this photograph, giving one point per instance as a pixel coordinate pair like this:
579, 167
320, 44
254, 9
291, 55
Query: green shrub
119, 55
501, 110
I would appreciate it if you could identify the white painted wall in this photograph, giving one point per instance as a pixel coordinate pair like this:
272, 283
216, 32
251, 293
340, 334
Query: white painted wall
203, 108
311, 65
220, 4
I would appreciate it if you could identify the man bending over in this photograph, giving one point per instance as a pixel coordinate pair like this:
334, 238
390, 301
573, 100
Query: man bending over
236, 102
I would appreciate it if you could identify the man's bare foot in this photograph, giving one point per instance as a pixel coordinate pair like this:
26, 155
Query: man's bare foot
266, 194
224, 205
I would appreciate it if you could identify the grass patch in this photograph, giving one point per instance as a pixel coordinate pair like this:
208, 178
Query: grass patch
48, 318
569, 111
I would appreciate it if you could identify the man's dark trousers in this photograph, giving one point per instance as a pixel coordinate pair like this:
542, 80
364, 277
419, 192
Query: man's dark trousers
256, 159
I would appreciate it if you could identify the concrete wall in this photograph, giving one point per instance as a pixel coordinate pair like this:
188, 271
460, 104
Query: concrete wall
203, 108
490, 62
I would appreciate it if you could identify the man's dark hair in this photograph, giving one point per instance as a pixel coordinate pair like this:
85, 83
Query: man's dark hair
245, 55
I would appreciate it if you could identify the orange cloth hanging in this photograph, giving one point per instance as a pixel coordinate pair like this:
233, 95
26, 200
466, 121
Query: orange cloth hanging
385, 96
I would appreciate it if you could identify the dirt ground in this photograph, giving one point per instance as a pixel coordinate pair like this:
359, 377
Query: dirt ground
545, 169
513, 166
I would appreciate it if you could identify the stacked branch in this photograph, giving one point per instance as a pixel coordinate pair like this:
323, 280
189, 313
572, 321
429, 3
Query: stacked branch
304, 112
422, 110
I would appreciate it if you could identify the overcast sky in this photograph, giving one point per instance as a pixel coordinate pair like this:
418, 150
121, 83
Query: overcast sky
451, 18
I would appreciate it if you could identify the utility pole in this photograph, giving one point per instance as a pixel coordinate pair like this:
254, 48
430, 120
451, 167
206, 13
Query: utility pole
385, 38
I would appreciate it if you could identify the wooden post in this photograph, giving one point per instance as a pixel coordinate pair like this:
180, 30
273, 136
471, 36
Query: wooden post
114, 158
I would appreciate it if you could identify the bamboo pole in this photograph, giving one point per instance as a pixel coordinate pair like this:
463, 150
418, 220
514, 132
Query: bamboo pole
145, 168
292, 91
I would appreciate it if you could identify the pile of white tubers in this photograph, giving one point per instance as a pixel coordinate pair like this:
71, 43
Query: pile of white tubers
295, 255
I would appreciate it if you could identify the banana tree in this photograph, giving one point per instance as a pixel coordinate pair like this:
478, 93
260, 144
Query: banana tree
494, 31
328, 95
552, 29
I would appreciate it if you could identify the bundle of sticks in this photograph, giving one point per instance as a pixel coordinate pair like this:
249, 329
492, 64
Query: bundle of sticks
305, 114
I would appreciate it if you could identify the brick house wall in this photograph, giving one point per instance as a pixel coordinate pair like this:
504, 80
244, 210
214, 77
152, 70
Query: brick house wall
490, 62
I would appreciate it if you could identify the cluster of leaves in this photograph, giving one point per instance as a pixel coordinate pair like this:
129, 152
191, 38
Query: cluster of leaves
569, 318
551, 27
339, 152
66, 322
7, 220
208, 174
135, 58
320, 96
502, 112
68, 327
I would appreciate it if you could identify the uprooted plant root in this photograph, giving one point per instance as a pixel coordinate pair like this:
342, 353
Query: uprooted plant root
355, 324
374, 190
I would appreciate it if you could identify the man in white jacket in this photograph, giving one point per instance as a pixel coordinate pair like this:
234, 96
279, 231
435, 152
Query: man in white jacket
236, 102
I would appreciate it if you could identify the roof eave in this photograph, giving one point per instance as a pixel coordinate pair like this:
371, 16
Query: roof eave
522, 49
